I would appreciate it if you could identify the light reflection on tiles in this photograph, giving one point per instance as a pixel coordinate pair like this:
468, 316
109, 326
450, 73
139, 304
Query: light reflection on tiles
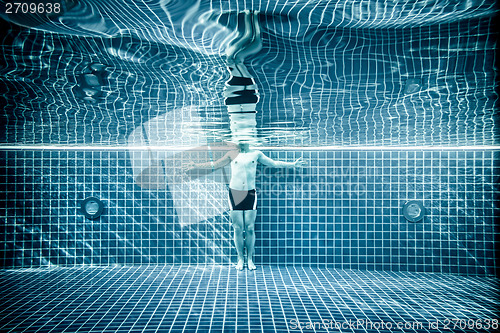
219, 298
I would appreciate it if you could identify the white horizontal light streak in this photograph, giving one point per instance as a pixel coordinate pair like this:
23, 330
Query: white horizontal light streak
287, 148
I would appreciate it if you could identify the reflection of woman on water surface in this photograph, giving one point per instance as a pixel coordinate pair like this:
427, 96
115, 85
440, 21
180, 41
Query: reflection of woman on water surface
241, 98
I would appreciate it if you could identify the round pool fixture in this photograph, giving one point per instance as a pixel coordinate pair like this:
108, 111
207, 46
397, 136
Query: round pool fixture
92, 208
414, 211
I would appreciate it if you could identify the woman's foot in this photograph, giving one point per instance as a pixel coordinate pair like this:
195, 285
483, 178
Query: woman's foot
251, 265
239, 265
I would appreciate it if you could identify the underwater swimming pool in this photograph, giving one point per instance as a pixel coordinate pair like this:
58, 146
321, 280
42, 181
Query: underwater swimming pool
393, 105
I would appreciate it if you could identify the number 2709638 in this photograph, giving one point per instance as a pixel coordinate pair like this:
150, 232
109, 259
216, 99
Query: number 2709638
32, 8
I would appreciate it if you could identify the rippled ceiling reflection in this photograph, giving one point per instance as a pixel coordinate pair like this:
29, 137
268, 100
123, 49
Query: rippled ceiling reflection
324, 72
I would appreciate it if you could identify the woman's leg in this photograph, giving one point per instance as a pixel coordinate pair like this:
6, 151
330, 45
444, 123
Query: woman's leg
239, 241
250, 216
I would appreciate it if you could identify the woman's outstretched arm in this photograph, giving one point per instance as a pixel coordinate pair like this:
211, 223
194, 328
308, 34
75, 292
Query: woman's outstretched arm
280, 164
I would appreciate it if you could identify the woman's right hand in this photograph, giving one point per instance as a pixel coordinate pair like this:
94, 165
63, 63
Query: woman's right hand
300, 163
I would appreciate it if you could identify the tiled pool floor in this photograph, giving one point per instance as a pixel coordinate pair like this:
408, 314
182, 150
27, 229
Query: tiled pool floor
221, 299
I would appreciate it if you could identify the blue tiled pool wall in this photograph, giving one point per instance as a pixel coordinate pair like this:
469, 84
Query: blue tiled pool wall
343, 210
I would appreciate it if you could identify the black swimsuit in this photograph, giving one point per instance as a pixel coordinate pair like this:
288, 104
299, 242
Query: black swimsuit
242, 200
